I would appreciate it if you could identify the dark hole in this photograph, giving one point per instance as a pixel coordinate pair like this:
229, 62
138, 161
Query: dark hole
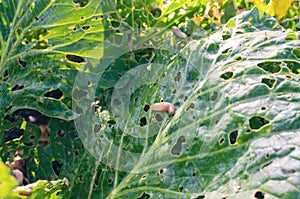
85, 27
161, 171
200, 197
259, 195
221, 141
78, 94
61, 133
56, 94
267, 155
272, 67
32, 137
143, 121
80, 177
29, 144
74, 29
226, 51
146, 108
265, 165
194, 174
22, 63
17, 87
5, 76
214, 96
293, 66
268, 81
176, 149
29, 113
174, 91
37, 18
136, 99
76, 153
56, 166
263, 108
233, 137
191, 106
177, 77
74, 58
72, 128
180, 188
109, 181
227, 75
158, 117
12, 134
257, 122
144, 196
238, 58
82, 18
156, 12
111, 122
226, 36
116, 102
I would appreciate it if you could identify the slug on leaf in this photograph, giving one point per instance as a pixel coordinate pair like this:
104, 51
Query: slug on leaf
163, 106
178, 32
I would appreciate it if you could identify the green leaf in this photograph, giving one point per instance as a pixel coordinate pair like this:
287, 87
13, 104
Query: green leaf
235, 130
7, 182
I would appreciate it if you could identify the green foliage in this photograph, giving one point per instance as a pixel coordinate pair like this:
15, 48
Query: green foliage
95, 67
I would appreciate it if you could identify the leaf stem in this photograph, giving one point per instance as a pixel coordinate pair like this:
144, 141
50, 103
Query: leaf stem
9, 40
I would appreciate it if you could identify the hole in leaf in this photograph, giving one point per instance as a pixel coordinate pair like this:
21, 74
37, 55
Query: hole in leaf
176, 149
160, 171
156, 12
17, 87
144, 196
74, 58
214, 96
257, 122
146, 108
227, 75
272, 67
56, 94
190, 106
267, 155
82, 3
259, 195
5, 76
288, 171
263, 108
85, 27
268, 81
177, 77
265, 165
174, 91
200, 197
293, 66
76, 153
233, 137
143, 121
221, 141
226, 36
226, 51
61, 133
180, 188
109, 181
111, 122
56, 166
237, 58
21, 62
12, 134
158, 117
